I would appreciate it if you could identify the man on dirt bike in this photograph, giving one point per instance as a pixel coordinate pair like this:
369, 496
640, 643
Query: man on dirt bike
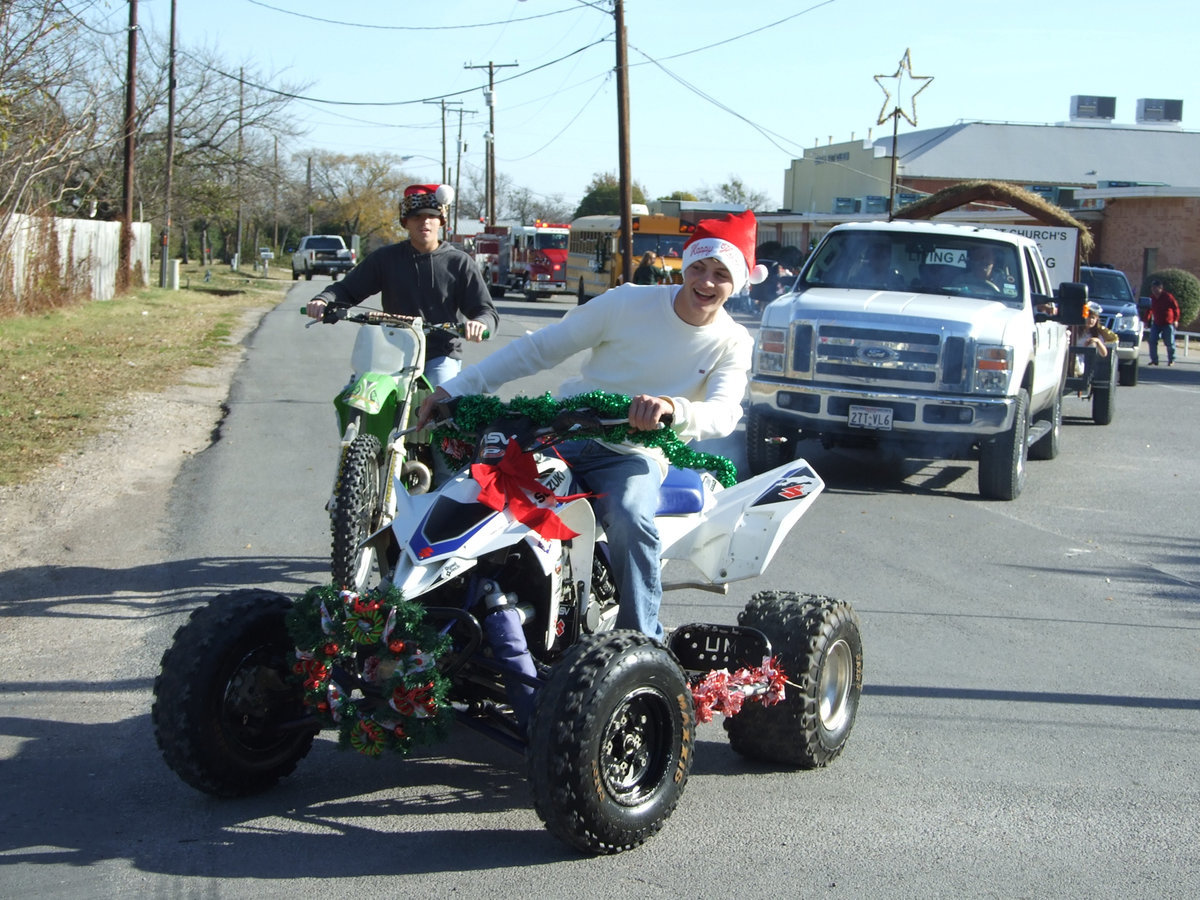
677, 353
422, 276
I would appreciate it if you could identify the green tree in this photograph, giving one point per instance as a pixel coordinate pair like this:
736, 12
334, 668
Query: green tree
1185, 287
684, 196
734, 191
603, 196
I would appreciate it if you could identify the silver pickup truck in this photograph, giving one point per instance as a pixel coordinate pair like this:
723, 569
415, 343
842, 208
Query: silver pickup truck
322, 254
941, 341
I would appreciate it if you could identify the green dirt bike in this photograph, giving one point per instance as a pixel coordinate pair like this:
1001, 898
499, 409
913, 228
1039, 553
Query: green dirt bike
381, 449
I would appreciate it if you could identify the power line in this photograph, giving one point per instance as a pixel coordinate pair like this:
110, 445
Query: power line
374, 27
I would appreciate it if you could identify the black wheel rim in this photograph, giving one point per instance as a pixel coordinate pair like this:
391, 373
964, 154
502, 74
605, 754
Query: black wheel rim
635, 746
251, 706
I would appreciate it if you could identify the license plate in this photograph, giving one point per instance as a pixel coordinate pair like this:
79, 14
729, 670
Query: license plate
875, 418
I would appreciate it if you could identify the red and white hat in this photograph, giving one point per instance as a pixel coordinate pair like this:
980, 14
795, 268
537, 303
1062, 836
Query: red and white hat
731, 240
427, 196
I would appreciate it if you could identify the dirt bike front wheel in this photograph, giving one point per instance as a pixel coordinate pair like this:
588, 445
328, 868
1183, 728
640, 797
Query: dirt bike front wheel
611, 742
227, 715
357, 512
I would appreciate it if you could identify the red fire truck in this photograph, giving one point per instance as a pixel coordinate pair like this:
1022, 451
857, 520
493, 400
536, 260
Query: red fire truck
538, 258
492, 251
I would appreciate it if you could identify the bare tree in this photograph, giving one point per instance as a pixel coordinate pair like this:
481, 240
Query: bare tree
359, 193
734, 191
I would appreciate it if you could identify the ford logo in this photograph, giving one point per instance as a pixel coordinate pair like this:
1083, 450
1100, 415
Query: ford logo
877, 354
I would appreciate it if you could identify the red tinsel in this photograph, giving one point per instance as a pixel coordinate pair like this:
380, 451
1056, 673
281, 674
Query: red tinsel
722, 692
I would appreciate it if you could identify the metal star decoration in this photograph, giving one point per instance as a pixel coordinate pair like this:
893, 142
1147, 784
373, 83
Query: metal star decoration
902, 71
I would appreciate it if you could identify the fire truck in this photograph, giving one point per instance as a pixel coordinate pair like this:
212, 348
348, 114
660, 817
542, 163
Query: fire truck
528, 258
538, 258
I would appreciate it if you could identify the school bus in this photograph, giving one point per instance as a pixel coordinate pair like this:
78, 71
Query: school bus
594, 259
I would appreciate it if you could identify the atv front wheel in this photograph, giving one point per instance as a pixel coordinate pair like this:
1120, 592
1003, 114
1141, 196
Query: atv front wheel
356, 513
818, 645
611, 742
227, 715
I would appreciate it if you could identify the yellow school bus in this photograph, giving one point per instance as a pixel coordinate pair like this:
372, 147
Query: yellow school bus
594, 259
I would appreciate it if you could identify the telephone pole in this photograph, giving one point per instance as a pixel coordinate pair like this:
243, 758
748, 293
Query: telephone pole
166, 234
125, 251
623, 155
490, 137
443, 103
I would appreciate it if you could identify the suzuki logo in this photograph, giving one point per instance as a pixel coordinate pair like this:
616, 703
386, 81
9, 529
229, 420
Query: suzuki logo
877, 354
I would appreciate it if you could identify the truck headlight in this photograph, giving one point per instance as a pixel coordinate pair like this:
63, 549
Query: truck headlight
993, 368
772, 349
1124, 323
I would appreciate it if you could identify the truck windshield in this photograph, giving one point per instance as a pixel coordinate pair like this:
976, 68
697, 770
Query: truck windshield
550, 241
912, 263
324, 243
1107, 285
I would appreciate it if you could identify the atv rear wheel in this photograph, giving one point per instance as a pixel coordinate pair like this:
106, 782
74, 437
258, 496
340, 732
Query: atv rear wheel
611, 742
818, 645
356, 513
225, 698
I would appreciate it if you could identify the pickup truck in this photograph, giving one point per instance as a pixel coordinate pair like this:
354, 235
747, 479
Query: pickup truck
1118, 313
942, 341
322, 254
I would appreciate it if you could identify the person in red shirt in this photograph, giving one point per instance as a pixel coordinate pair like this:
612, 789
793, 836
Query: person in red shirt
1164, 315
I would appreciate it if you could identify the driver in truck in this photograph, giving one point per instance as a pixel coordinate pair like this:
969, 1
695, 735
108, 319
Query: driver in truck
422, 276
672, 348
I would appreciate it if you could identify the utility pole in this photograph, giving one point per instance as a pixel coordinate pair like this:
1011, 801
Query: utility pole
490, 137
308, 195
442, 103
166, 234
462, 148
237, 252
125, 251
623, 142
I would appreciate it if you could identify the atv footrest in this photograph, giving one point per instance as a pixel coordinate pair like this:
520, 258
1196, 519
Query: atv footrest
703, 647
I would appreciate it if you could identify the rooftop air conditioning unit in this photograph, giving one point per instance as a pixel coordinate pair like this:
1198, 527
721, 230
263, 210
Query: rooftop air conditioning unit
1088, 107
1159, 110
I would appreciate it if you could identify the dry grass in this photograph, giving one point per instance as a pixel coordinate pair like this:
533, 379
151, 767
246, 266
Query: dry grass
62, 372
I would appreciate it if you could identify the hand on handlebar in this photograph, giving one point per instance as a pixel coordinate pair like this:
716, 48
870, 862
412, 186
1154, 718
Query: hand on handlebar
646, 412
429, 406
315, 308
474, 331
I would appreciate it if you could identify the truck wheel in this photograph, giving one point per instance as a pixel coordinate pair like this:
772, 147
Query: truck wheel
1047, 446
769, 443
1002, 458
295, 275
581, 297
611, 742
225, 697
356, 512
1104, 398
308, 276
1127, 373
818, 644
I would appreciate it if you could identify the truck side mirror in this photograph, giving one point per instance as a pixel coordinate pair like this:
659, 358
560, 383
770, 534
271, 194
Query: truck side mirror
1072, 296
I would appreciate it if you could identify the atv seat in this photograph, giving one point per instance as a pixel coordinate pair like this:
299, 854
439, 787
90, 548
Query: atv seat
681, 494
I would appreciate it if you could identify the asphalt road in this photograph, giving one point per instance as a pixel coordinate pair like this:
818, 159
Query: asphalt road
1028, 728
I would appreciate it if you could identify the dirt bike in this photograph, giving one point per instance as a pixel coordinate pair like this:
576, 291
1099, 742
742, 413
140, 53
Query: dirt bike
518, 598
381, 450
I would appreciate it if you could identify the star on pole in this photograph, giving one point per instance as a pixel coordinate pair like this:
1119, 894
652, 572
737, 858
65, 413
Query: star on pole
902, 71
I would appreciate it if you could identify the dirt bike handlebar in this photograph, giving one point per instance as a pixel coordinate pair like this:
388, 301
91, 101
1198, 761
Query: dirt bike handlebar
334, 314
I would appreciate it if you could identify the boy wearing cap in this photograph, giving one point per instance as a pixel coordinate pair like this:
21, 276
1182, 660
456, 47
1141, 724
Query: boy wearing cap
674, 350
422, 277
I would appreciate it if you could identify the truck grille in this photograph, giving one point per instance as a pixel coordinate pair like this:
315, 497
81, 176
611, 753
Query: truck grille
893, 357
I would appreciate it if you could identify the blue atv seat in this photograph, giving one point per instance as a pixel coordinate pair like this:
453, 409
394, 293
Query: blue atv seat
681, 493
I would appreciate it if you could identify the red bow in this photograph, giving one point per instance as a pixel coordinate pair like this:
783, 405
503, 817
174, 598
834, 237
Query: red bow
511, 482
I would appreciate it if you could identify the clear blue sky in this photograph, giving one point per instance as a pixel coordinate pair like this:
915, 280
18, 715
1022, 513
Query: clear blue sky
707, 79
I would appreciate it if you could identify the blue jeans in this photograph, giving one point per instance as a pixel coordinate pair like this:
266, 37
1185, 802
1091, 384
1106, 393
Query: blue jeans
441, 369
627, 485
1167, 332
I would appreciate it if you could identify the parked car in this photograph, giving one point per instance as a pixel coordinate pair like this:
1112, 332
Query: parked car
1119, 313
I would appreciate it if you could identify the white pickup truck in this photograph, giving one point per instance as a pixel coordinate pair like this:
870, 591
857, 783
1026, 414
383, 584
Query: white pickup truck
322, 254
942, 341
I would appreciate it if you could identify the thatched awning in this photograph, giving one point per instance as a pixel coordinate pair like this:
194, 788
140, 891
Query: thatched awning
998, 192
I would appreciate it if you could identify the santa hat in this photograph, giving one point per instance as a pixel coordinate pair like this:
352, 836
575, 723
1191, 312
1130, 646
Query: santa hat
427, 196
730, 240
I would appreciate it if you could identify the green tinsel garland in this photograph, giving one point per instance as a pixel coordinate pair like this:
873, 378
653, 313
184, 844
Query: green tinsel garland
380, 636
474, 412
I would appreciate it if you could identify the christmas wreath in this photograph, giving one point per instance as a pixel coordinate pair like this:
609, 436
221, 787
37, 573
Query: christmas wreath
473, 412
721, 691
368, 665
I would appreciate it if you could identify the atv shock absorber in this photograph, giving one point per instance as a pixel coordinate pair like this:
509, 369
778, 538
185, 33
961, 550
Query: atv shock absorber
504, 635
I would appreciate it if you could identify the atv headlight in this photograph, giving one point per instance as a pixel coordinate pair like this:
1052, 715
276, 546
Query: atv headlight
993, 368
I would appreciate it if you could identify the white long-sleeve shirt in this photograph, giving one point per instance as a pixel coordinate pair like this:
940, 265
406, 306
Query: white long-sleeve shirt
638, 345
